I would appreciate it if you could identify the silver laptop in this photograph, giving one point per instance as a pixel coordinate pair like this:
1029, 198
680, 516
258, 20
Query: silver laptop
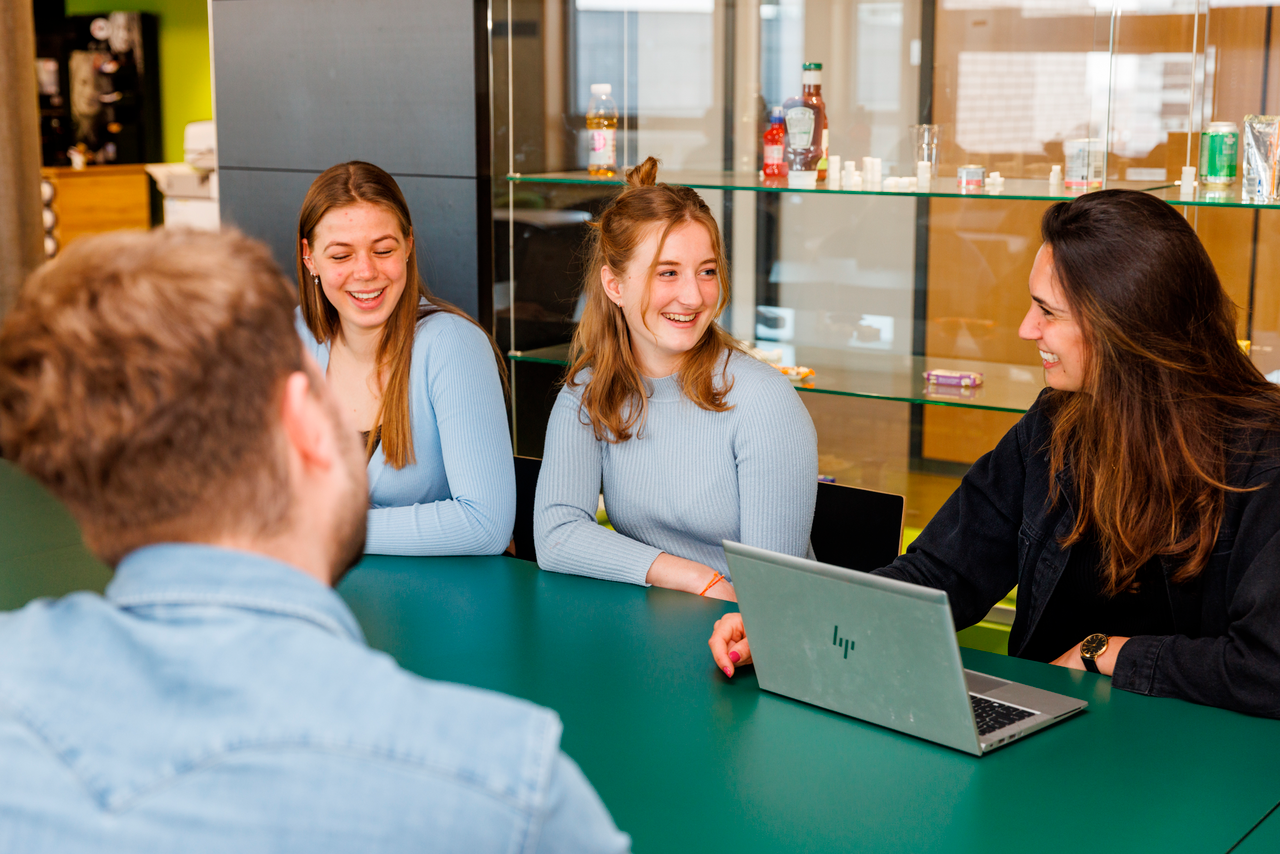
877, 649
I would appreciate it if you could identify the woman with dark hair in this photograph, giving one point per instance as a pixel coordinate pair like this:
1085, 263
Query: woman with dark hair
1137, 504
693, 440
421, 379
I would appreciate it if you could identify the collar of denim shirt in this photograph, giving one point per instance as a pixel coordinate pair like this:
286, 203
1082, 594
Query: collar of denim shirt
204, 575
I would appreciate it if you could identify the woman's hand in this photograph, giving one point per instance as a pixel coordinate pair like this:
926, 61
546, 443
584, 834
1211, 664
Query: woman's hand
677, 573
728, 643
1106, 662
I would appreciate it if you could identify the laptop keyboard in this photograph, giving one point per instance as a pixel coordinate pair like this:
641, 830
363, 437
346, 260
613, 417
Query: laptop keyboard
992, 716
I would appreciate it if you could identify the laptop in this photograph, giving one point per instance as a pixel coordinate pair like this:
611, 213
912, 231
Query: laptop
877, 649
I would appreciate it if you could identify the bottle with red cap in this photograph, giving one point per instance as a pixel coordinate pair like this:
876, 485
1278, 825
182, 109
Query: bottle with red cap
775, 143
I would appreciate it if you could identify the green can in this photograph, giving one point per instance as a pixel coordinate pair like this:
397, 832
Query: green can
1219, 150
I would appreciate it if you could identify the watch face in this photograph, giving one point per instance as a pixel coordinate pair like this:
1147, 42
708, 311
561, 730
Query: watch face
1093, 646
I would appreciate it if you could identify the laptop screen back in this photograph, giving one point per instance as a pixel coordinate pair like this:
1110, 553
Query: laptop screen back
869, 647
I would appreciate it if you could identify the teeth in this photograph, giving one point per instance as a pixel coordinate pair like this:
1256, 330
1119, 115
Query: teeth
679, 318
367, 297
1048, 357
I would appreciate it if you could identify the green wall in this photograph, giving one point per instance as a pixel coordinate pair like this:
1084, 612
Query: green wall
185, 91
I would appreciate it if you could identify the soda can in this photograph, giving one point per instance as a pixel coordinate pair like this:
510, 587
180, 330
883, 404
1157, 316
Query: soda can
1219, 151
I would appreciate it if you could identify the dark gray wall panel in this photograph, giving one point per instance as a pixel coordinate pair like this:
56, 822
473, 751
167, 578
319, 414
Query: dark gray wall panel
264, 204
305, 84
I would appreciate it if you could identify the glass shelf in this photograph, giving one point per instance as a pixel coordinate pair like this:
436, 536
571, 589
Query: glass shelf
1029, 189
1213, 197
1006, 388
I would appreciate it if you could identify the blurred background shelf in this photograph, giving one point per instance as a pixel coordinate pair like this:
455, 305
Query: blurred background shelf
1005, 388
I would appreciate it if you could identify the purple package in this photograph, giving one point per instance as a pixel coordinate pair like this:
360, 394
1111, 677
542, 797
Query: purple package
938, 376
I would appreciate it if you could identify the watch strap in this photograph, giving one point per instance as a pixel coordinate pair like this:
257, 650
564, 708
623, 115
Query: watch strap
1090, 664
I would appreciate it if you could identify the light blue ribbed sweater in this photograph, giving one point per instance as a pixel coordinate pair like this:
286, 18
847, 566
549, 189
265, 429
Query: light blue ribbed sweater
458, 497
692, 478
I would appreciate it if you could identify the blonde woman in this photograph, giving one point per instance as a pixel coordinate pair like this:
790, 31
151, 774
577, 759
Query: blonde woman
421, 380
693, 441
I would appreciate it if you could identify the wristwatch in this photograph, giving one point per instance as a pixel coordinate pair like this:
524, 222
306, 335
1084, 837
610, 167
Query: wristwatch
1090, 648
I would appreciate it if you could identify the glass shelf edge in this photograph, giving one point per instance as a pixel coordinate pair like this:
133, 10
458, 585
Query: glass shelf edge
746, 182
542, 357
924, 401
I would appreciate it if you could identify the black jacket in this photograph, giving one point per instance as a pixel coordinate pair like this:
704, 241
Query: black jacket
997, 530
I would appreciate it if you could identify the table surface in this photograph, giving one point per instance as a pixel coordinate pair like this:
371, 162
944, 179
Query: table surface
689, 760
1265, 838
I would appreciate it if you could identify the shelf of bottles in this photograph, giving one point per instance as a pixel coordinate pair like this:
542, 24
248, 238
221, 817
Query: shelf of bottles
873, 284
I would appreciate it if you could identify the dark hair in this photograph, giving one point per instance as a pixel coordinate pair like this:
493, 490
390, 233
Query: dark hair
614, 399
349, 184
1165, 386
140, 381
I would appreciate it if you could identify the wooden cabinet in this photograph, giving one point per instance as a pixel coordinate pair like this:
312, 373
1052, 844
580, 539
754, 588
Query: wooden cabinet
97, 199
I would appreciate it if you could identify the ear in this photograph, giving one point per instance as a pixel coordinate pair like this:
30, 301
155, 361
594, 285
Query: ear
408, 244
612, 286
306, 257
307, 429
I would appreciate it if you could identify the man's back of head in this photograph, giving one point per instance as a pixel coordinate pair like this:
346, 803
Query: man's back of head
139, 376
220, 695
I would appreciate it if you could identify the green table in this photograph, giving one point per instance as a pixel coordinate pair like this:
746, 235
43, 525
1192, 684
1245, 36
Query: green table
41, 553
1265, 838
688, 760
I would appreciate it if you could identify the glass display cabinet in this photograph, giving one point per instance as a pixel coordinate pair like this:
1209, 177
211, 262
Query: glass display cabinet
871, 287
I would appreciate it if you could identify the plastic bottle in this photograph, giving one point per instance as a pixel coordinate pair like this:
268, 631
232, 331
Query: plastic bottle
806, 117
602, 141
775, 142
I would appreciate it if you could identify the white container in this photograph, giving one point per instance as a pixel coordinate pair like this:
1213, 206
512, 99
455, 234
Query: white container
850, 172
1187, 186
833, 171
924, 175
803, 180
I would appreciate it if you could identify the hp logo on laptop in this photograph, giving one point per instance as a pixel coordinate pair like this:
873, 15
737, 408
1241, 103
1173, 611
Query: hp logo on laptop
844, 643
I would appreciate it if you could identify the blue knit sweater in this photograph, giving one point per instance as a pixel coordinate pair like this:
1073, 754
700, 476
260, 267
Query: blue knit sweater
458, 497
692, 478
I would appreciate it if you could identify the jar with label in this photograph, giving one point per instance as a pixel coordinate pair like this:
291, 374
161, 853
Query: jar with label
602, 130
1085, 163
806, 121
775, 144
1219, 151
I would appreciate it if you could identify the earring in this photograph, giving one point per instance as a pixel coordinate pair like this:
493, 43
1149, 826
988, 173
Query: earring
316, 280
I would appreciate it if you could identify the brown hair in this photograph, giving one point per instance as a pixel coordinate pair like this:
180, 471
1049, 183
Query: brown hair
1166, 385
140, 381
614, 397
353, 183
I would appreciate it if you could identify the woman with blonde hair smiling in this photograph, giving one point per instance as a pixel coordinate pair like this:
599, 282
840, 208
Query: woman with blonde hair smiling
421, 380
693, 441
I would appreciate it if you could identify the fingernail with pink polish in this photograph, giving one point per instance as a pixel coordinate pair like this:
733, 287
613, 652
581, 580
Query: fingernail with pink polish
726, 671
733, 656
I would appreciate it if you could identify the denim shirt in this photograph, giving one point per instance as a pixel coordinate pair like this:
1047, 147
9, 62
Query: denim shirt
218, 700
998, 529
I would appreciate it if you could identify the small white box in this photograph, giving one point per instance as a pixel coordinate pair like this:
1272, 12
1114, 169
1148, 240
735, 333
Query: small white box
200, 214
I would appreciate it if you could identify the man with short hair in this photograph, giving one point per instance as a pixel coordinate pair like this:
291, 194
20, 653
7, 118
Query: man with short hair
220, 696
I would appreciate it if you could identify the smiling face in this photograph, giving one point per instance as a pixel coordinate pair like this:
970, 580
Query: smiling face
1050, 325
682, 292
362, 258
